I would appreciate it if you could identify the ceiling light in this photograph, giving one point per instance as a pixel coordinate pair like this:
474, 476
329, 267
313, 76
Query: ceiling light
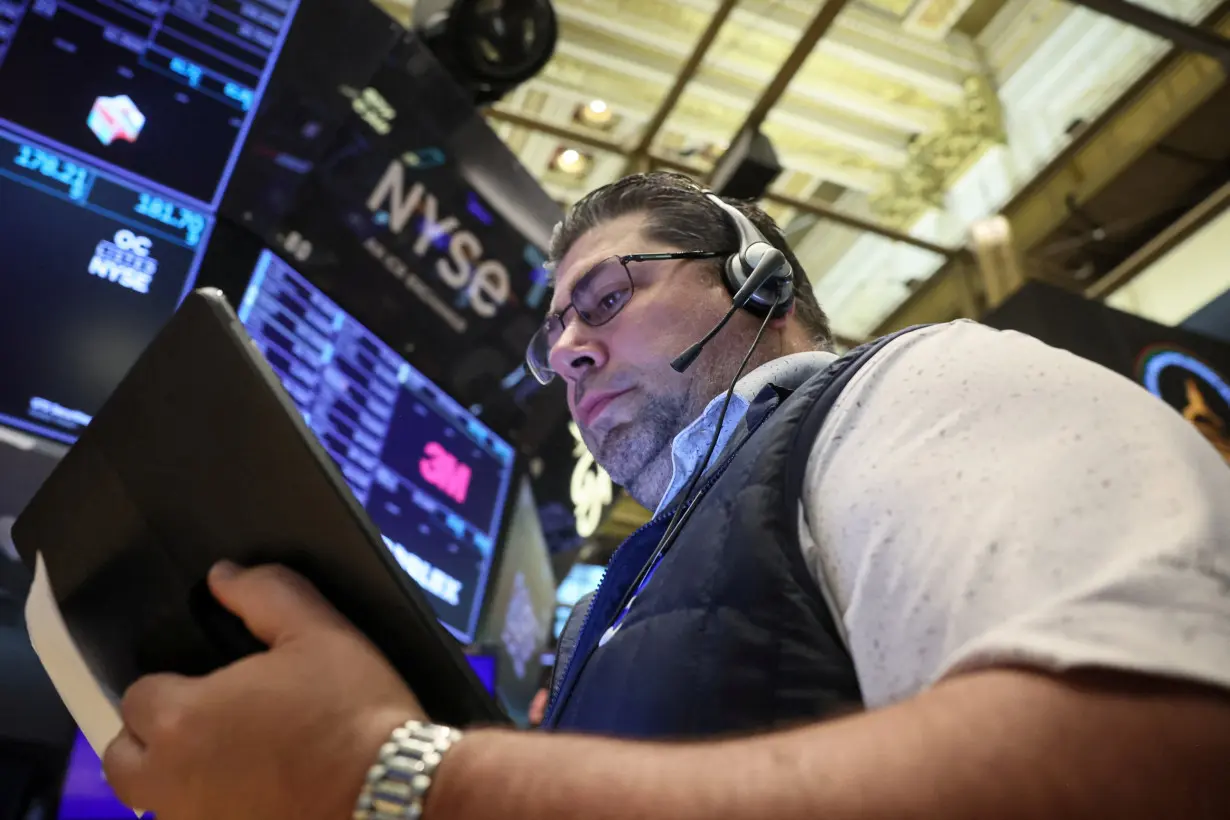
571, 161
596, 113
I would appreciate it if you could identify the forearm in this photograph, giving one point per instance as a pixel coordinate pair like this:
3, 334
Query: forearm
997, 744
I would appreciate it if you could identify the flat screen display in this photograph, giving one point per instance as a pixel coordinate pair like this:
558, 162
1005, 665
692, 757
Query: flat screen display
432, 477
93, 266
581, 580
162, 90
86, 795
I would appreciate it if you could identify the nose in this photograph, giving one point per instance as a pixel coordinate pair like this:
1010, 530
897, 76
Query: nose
579, 350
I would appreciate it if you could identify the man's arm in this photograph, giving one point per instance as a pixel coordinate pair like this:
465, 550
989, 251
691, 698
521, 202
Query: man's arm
998, 744
1004, 518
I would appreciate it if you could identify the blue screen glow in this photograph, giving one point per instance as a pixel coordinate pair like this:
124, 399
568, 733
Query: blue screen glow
432, 477
162, 92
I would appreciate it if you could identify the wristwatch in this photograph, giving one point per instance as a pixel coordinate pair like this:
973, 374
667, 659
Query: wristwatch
397, 784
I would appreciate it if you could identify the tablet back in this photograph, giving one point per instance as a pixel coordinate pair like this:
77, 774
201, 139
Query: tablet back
199, 455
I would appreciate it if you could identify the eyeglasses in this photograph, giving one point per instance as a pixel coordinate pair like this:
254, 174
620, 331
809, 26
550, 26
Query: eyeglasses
597, 298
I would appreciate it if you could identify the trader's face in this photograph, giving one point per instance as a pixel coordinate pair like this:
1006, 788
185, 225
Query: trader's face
625, 398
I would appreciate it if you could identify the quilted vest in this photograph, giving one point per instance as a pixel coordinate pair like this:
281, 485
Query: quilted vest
730, 633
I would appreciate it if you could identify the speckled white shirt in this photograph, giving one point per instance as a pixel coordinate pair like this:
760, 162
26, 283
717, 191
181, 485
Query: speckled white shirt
978, 498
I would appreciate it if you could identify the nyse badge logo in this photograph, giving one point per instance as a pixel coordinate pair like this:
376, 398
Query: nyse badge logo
1192, 387
442, 470
125, 260
591, 489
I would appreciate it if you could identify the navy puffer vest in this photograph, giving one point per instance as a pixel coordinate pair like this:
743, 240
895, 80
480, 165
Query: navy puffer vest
731, 634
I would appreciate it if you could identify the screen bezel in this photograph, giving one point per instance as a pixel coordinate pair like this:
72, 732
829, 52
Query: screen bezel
229, 265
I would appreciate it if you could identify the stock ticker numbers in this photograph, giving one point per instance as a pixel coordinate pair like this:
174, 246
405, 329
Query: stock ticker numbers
101, 261
141, 86
75, 179
112, 195
177, 217
432, 477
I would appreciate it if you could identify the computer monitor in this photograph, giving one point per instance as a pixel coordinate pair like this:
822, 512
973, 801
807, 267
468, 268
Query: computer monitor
86, 795
433, 478
93, 265
486, 667
160, 92
581, 580
520, 606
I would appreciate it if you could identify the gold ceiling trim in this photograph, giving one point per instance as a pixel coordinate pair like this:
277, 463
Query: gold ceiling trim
1159, 246
938, 158
1159, 101
819, 209
640, 154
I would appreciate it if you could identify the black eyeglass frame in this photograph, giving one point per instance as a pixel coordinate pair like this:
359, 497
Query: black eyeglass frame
544, 374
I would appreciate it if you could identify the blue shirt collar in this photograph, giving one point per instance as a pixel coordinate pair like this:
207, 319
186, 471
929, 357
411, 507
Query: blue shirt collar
690, 444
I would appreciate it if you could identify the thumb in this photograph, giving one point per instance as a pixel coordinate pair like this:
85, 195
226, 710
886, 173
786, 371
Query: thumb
276, 604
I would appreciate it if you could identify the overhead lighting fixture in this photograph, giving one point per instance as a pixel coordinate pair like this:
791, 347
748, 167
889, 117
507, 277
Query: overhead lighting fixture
595, 113
571, 161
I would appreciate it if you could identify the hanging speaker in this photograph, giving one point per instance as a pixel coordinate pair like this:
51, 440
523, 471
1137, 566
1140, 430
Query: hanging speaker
489, 46
748, 167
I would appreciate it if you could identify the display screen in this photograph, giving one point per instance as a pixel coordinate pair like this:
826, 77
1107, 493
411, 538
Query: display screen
431, 476
581, 580
86, 795
484, 667
160, 89
93, 267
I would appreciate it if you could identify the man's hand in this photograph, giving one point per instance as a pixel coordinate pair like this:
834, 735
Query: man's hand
289, 732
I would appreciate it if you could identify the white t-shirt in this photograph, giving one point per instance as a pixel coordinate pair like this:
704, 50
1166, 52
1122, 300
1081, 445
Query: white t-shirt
977, 498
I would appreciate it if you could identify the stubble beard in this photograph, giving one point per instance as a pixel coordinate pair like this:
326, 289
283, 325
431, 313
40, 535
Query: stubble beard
636, 454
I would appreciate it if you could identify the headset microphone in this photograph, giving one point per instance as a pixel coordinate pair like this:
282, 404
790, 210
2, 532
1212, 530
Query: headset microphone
770, 263
769, 288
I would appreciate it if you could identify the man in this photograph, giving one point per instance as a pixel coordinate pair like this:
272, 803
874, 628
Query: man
1016, 561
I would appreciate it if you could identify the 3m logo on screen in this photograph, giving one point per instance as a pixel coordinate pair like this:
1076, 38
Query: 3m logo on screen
484, 281
442, 470
126, 261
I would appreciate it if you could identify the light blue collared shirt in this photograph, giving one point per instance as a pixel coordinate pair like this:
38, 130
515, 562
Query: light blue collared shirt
690, 444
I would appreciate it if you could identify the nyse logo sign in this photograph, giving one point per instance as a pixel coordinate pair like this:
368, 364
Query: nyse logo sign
484, 282
125, 260
591, 489
442, 470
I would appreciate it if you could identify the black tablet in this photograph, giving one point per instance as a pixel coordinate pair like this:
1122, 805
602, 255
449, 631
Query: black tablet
200, 455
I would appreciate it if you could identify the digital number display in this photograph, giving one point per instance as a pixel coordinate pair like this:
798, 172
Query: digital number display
180, 219
72, 176
161, 90
432, 477
95, 266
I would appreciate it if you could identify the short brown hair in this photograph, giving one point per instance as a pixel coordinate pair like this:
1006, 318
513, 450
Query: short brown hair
678, 214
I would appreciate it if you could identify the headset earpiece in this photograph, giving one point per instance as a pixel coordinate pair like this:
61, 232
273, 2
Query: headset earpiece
778, 288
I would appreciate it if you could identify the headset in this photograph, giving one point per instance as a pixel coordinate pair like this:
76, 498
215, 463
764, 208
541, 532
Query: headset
777, 286
759, 277
760, 280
